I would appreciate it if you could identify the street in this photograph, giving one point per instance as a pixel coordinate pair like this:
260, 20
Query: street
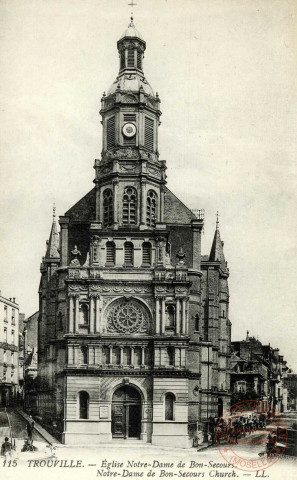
18, 425
132, 459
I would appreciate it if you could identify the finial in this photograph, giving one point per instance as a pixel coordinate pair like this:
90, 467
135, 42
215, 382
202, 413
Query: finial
247, 335
54, 211
132, 4
217, 221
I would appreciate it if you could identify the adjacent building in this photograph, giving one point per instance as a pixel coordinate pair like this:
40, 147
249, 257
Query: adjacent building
258, 372
133, 331
30, 343
9, 351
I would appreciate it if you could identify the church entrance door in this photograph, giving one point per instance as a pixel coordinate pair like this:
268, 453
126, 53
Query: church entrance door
126, 413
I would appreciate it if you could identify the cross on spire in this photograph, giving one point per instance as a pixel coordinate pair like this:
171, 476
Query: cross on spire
132, 4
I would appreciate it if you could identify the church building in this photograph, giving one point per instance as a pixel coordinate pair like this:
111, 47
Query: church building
134, 332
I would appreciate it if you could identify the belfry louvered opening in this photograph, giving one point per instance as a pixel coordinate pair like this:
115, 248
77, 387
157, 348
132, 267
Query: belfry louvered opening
149, 133
110, 253
139, 60
130, 57
128, 254
146, 253
110, 132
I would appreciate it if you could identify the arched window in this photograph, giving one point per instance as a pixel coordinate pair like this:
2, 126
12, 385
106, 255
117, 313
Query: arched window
83, 404
146, 253
128, 254
84, 355
151, 208
129, 206
110, 253
84, 314
170, 355
169, 406
107, 208
170, 317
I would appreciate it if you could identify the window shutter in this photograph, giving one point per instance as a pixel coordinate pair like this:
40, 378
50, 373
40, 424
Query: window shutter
110, 132
128, 253
130, 57
110, 253
139, 60
146, 253
149, 133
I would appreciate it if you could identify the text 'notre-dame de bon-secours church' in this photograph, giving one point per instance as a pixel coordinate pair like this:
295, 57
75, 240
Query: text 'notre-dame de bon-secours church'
134, 334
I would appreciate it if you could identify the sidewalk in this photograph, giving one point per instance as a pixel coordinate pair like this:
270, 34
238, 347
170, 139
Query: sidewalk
47, 436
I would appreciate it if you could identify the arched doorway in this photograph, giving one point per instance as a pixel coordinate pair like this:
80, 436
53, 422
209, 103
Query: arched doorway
126, 413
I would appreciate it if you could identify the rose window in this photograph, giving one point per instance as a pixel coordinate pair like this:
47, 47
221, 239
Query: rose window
127, 317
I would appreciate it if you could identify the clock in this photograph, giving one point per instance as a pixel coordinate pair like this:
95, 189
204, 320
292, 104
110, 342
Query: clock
129, 130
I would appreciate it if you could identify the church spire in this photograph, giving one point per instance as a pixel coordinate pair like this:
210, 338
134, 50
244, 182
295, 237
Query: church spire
52, 251
217, 252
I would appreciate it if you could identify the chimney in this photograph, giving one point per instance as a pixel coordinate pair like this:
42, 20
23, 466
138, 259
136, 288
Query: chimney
13, 299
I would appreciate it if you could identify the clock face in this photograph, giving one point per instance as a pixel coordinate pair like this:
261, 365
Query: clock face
129, 130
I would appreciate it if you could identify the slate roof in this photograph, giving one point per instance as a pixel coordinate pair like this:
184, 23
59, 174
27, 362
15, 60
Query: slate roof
174, 210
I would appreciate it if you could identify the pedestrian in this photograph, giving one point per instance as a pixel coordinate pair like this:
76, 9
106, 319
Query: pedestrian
30, 429
6, 448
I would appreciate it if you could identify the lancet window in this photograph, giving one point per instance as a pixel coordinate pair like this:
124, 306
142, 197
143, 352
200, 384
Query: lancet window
107, 208
151, 208
129, 206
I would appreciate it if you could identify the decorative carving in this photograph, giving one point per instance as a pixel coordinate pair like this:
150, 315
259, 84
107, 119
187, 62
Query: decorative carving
127, 168
75, 252
153, 171
181, 255
95, 288
74, 288
126, 317
129, 98
94, 273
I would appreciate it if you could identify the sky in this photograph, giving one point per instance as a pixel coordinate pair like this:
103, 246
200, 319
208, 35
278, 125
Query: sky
225, 71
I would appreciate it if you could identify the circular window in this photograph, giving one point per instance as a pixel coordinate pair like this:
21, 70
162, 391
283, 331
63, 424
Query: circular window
127, 317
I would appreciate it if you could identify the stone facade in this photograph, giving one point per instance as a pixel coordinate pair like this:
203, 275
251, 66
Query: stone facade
134, 332
9, 351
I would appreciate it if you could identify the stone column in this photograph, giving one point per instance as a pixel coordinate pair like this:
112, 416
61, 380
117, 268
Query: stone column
97, 302
143, 203
162, 201
115, 202
157, 315
121, 355
132, 355
110, 354
70, 355
76, 317
71, 314
163, 319
142, 355
92, 319
183, 316
76, 354
177, 313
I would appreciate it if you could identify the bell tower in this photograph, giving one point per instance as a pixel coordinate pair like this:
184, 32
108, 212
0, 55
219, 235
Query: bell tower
130, 178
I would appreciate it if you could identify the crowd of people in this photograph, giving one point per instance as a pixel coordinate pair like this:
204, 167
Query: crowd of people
232, 428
